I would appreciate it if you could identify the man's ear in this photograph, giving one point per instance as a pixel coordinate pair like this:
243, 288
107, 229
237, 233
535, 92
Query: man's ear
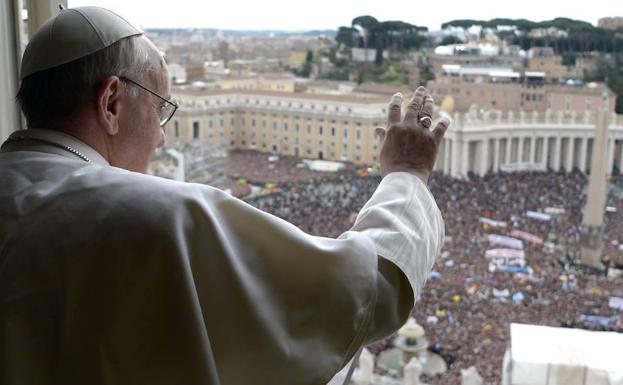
109, 104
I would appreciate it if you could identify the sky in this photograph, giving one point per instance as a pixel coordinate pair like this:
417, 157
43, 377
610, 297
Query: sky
296, 15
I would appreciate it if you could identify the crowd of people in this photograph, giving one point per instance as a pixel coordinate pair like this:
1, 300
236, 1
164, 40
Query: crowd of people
466, 307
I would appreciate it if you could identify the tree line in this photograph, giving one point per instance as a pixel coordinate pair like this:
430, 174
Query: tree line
368, 32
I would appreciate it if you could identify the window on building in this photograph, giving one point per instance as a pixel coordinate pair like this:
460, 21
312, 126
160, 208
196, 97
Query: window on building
195, 129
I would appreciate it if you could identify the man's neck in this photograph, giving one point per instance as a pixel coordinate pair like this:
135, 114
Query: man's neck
75, 138
90, 137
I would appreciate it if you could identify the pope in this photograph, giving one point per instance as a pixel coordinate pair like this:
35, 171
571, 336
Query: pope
112, 276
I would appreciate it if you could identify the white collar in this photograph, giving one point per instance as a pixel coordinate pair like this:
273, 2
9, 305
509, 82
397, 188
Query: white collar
63, 139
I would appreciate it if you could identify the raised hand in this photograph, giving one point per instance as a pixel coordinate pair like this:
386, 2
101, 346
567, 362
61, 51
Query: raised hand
409, 145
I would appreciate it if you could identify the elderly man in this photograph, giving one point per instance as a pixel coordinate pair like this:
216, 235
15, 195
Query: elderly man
111, 276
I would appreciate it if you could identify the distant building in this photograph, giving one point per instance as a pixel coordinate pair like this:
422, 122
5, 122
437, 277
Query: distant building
271, 82
381, 89
508, 90
341, 127
297, 59
415, 76
543, 59
177, 73
586, 63
513, 61
244, 82
330, 127
366, 55
324, 86
195, 71
610, 22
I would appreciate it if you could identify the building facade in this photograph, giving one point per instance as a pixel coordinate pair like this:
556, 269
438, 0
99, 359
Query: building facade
341, 128
331, 127
483, 142
610, 22
508, 90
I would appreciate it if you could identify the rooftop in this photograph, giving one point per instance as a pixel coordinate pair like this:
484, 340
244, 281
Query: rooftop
372, 99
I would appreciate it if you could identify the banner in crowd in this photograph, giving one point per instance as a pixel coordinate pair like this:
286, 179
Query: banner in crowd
538, 216
526, 236
503, 240
554, 210
501, 293
505, 257
505, 253
522, 166
616, 303
595, 319
491, 222
515, 269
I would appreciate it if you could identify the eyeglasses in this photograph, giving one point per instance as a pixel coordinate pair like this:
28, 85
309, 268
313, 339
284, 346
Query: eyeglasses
167, 110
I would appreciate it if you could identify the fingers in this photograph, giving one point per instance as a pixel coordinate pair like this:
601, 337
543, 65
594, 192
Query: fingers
440, 130
415, 105
395, 109
428, 106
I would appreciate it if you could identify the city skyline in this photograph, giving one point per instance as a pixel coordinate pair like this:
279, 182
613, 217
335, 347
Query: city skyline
290, 16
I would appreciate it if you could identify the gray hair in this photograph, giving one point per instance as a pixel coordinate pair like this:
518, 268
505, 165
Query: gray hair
54, 95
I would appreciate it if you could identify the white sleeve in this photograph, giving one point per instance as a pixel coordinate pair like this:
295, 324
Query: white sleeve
405, 224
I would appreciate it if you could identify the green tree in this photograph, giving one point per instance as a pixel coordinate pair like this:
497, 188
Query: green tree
447, 40
345, 36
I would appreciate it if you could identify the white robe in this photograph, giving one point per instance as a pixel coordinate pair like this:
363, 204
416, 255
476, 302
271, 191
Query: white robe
114, 277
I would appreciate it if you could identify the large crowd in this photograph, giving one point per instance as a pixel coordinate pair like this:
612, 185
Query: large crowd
467, 307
